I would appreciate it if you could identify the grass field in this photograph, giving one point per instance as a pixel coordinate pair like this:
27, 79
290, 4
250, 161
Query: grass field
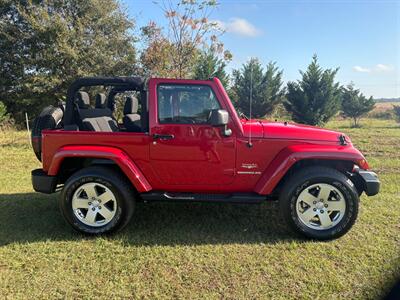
198, 250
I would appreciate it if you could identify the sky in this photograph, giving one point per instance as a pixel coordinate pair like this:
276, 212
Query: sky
362, 38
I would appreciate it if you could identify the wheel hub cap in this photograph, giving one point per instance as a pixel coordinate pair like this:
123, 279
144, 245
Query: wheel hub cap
320, 206
94, 204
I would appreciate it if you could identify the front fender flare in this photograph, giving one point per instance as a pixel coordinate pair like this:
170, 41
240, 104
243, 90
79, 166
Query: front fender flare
127, 166
287, 157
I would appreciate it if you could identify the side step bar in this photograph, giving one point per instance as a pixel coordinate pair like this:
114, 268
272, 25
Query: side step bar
191, 197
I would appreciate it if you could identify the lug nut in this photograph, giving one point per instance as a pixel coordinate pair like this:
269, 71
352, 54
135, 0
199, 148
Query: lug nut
314, 202
314, 209
326, 205
321, 211
99, 207
93, 209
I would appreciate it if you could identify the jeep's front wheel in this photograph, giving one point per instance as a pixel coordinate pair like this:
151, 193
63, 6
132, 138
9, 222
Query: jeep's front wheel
320, 203
97, 200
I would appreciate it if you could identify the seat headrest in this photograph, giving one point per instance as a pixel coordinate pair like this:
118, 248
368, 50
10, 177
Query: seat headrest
100, 101
83, 99
131, 105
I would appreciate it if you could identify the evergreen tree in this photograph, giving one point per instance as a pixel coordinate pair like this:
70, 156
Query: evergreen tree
396, 110
44, 45
355, 104
316, 97
208, 65
267, 89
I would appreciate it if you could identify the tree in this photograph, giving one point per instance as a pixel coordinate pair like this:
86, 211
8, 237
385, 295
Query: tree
173, 51
396, 110
4, 116
45, 45
355, 104
266, 88
316, 97
156, 58
208, 64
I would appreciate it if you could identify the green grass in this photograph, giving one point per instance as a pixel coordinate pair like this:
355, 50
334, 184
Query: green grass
198, 250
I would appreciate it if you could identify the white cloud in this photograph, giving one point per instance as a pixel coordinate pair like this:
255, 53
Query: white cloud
377, 68
361, 69
239, 26
383, 68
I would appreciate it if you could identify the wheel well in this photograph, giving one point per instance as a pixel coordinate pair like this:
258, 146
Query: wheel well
70, 165
344, 166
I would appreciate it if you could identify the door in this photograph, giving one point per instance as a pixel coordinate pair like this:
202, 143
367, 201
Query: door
186, 149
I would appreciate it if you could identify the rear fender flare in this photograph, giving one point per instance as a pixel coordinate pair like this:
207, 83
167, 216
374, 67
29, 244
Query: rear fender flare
287, 157
126, 164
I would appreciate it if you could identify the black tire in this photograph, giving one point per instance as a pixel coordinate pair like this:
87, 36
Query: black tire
115, 182
49, 118
312, 176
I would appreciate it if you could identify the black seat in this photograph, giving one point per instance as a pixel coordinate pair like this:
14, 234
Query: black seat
100, 101
83, 100
131, 117
94, 119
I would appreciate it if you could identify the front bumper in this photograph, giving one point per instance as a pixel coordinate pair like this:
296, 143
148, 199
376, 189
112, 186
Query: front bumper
42, 182
370, 181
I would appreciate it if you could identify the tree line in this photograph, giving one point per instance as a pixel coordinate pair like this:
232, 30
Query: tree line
45, 45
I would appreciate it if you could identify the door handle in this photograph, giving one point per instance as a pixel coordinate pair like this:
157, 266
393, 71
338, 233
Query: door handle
157, 136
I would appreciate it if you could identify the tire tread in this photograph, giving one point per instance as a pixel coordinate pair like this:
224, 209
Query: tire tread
313, 173
117, 180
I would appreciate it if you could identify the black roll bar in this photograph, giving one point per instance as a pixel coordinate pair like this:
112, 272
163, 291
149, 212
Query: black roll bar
130, 83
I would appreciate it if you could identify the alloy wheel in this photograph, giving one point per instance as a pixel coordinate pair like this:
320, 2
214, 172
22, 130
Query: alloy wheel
320, 206
94, 204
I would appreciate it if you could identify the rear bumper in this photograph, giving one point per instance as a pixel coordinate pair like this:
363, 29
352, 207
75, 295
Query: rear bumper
370, 181
42, 182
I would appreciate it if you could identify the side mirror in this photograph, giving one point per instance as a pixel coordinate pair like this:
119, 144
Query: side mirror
220, 118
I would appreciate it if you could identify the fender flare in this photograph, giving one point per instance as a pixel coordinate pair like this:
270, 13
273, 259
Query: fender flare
287, 157
128, 167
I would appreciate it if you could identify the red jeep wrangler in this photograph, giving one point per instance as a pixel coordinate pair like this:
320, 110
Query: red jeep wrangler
182, 140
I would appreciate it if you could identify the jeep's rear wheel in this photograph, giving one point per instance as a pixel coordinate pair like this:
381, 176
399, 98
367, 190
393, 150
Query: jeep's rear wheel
94, 204
97, 200
320, 203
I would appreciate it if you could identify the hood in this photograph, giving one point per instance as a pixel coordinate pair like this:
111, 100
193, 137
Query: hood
290, 131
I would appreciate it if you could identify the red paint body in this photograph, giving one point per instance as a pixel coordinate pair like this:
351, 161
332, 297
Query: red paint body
199, 158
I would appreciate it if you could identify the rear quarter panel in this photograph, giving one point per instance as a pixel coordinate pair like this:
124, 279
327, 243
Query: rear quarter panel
134, 145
